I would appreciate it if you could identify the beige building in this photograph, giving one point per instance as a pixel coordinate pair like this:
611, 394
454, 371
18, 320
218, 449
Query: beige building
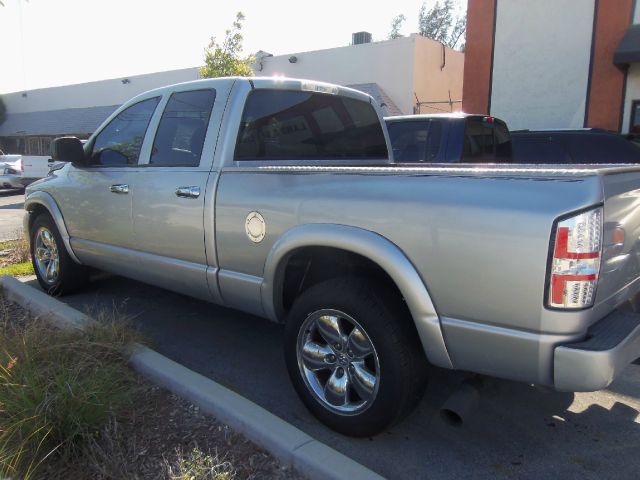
417, 74
405, 75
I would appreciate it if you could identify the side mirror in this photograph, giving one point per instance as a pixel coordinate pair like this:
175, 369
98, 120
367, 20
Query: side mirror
68, 149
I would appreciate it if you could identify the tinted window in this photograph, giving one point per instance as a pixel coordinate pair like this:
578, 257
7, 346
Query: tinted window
486, 141
288, 125
182, 129
602, 148
541, 149
416, 141
120, 141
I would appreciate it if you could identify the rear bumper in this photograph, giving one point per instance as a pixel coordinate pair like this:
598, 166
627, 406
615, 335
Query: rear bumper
592, 364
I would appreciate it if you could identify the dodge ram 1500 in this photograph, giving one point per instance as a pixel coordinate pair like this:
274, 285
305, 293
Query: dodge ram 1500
279, 197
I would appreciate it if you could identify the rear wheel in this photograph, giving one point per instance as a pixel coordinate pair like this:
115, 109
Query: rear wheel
56, 271
353, 356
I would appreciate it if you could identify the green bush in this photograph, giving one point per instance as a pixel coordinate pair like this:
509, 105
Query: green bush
57, 389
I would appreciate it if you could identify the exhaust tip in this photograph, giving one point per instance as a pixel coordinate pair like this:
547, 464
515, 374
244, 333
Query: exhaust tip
451, 418
460, 405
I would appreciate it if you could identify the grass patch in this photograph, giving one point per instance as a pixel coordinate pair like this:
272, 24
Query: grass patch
17, 269
57, 389
15, 258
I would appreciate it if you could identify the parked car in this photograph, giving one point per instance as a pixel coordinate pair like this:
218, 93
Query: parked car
449, 138
26, 169
587, 146
279, 197
10, 178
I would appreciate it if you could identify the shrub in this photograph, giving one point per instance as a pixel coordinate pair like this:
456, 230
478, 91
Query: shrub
57, 388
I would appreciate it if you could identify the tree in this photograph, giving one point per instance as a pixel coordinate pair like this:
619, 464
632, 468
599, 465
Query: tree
438, 23
396, 25
225, 60
458, 33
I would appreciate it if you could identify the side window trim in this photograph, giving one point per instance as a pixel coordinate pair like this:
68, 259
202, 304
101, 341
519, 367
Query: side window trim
141, 156
150, 135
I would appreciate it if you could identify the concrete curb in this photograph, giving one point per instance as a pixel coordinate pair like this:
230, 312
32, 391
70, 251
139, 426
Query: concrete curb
40, 304
284, 441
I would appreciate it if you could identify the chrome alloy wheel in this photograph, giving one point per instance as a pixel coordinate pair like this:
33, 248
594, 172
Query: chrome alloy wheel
46, 255
338, 362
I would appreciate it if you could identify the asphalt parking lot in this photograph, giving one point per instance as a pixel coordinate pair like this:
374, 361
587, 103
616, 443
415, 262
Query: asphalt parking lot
517, 431
11, 212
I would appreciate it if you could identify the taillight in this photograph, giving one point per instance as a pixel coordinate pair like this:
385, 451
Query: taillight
575, 265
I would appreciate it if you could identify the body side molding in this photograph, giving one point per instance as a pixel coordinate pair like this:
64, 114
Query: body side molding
377, 249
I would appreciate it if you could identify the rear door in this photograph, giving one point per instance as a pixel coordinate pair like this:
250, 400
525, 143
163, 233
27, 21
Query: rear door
169, 205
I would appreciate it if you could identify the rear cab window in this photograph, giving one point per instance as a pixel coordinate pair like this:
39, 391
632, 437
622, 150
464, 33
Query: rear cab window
300, 125
416, 141
486, 140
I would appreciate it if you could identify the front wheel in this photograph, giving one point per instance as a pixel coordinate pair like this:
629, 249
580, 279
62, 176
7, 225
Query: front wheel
353, 356
56, 271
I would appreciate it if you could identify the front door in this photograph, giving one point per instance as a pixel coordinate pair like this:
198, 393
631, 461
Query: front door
96, 202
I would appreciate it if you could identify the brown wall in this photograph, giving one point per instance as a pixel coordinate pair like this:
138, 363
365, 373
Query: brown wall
606, 88
476, 93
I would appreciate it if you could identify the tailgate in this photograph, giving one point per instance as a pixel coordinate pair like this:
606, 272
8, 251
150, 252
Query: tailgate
620, 268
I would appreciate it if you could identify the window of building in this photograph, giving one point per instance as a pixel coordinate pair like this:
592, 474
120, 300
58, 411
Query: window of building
182, 129
296, 125
634, 125
119, 143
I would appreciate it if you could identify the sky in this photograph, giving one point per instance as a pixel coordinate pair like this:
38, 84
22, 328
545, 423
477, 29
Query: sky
46, 43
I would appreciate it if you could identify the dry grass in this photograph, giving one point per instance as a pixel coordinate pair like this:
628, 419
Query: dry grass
70, 408
57, 388
197, 464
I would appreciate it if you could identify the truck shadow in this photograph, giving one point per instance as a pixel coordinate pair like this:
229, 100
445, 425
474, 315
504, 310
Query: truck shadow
516, 431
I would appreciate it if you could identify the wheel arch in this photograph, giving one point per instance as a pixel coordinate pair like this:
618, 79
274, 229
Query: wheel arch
43, 202
375, 248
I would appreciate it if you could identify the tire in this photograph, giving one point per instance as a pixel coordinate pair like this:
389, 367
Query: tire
46, 247
373, 375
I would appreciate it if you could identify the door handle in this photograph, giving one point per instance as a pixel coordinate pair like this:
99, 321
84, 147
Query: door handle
119, 188
188, 192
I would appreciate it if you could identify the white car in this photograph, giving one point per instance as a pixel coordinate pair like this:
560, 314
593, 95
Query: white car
10, 177
18, 171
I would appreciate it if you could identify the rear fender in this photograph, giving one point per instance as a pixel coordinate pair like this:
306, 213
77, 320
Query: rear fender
377, 249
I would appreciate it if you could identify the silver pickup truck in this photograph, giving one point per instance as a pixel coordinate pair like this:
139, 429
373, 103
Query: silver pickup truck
278, 197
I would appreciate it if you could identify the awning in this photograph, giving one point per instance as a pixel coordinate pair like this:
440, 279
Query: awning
71, 121
628, 50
